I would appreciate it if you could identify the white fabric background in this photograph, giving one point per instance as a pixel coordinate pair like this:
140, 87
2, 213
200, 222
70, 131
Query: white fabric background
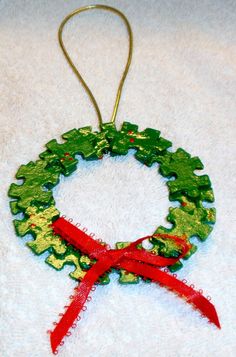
182, 82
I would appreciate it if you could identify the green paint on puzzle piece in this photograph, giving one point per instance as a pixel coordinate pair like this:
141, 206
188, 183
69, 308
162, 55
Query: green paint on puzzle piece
181, 166
38, 223
168, 249
206, 195
147, 143
110, 130
78, 142
98, 144
66, 163
150, 156
188, 221
14, 207
191, 224
74, 258
86, 262
175, 267
165, 247
189, 207
160, 149
65, 152
189, 204
125, 276
203, 217
104, 280
178, 265
70, 258
123, 140
192, 250
33, 191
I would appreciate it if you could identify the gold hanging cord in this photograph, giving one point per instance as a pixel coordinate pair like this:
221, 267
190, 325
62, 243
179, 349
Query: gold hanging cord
77, 73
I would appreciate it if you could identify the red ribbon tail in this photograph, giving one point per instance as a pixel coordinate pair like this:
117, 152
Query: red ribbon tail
68, 319
192, 296
207, 309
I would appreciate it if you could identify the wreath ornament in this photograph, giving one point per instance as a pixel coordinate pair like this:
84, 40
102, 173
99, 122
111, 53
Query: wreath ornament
35, 199
92, 261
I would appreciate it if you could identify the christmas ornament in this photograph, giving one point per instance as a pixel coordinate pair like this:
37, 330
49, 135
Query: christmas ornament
93, 260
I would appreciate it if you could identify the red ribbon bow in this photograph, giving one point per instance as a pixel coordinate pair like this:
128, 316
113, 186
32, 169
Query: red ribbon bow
137, 261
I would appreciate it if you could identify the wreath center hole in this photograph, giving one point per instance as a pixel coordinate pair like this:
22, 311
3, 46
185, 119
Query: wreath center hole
117, 198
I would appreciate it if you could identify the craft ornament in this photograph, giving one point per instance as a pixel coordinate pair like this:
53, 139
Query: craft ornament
34, 197
69, 245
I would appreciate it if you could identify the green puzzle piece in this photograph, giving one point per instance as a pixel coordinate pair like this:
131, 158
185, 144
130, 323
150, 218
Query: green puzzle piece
35, 188
181, 166
83, 141
38, 223
71, 257
190, 224
74, 258
188, 221
206, 195
147, 143
98, 142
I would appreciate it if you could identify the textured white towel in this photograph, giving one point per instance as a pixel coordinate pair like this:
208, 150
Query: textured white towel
182, 82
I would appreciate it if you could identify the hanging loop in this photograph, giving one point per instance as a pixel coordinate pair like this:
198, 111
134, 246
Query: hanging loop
77, 73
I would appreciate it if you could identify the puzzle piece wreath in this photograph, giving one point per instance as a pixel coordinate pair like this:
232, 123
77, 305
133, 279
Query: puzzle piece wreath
34, 197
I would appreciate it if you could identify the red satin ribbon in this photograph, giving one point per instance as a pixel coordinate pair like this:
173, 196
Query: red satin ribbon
137, 261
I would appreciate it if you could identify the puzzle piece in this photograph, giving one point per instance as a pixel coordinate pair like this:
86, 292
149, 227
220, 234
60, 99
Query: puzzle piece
82, 141
73, 257
98, 143
181, 166
147, 143
187, 222
190, 204
38, 223
160, 149
35, 188
110, 130
63, 154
